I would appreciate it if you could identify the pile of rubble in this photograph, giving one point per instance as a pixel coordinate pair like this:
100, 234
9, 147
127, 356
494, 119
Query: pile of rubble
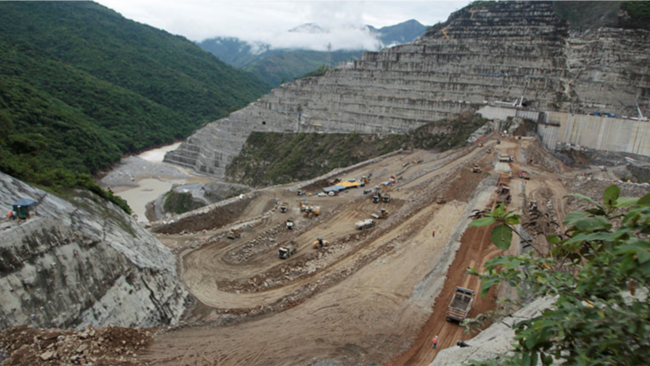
109, 346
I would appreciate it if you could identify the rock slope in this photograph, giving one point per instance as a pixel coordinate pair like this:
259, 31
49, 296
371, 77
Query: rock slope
81, 262
497, 51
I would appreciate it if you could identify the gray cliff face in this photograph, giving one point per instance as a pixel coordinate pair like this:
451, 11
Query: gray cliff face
496, 52
82, 262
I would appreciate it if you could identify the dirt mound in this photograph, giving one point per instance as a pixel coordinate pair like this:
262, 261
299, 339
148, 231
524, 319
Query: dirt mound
108, 346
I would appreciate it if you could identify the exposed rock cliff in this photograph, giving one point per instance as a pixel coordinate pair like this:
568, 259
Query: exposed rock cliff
497, 51
82, 262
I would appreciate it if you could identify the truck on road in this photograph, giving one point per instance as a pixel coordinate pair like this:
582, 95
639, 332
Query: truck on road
460, 304
287, 251
364, 224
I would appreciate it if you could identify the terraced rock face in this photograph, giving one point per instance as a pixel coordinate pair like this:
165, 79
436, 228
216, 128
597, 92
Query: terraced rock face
494, 52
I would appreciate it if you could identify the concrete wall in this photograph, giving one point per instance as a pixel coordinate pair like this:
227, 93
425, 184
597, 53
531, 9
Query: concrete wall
601, 133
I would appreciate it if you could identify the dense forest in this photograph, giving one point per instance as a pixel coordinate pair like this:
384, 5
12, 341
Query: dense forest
80, 86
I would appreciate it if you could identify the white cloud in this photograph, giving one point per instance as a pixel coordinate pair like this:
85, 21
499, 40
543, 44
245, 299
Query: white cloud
269, 21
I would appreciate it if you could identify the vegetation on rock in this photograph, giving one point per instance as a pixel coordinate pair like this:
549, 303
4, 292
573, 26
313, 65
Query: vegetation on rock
278, 158
80, 86
599, 275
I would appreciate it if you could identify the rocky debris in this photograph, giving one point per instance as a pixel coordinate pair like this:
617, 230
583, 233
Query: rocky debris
108, 346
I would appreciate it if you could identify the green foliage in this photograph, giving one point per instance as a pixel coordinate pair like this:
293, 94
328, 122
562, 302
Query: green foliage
320, 71
599, 275
80, 86
178, 202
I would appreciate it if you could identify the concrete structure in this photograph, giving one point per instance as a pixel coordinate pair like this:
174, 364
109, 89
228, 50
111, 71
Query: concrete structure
504, 51
82, 263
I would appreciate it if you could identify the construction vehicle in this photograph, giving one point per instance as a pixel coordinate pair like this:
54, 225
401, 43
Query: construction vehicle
532, 207
503, 196
364, 179
312, 211
332, 182
284, 208
377, 196
234, 234
506, 175
364, 224
524, 175
404, 165
381, 214
503, 158
386, 198
441, 200
287, 251
300, 193
476, 169
289, 224
460, 305
319, 243
498, 142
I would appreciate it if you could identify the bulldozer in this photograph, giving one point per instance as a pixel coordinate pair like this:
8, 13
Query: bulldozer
381, 214
234, 234
476, 169
441, 200
319, 243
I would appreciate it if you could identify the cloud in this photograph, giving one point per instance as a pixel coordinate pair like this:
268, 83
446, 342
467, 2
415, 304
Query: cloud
269, 21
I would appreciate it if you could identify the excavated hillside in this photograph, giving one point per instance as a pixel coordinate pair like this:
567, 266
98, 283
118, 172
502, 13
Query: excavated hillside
495, 51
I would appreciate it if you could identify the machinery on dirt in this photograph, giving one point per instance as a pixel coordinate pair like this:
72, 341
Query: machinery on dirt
404, 165
524, 175
503, 158
284, 208
498, 142
287, 251
386, 198
532, 207
320, 243
289, 224
460, 305
377, 196
364, 224
503, 194
441, 200
309, 210
234, 234
300, 193
364, 179
476, 169
381, 214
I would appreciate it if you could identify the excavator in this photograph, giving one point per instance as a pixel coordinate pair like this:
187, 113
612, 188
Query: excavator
319, 243
476, 169
441, 200
309, 210
234, 234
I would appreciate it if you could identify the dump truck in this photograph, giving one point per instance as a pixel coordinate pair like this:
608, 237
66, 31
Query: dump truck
504, 158
460, 305
319, 243
289, 224
441, 200
364, 224
524, 175
476, 169
503, 196
284, 208
381, 214
287, 251
234, 234
386, 198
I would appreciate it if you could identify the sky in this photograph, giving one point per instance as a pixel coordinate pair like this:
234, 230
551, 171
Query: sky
268, 21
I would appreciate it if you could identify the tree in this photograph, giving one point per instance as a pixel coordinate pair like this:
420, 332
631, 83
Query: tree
598, 273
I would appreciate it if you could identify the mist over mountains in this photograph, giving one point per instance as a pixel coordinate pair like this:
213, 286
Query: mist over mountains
308, 46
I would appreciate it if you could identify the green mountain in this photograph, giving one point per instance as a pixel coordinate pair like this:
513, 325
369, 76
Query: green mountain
277, 65
80, 86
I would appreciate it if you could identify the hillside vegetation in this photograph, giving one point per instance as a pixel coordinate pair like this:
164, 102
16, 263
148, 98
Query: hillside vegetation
80, 86
277, 158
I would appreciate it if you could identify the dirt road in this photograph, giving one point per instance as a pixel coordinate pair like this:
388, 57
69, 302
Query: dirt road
372, 297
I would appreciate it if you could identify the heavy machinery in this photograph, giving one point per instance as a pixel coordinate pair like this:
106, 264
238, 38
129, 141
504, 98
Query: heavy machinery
441, 200
287, 251
300, 193
386, 198
284, 208
524, 175
532, 207
476, 169
503, 196
503, 158
381, 214
312, 211
364, 224
460, 305
364, 179
234, 234
319, 243
377, 196
289, 224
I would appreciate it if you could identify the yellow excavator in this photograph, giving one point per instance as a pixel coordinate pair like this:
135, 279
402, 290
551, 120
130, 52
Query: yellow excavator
319, 243
234, 234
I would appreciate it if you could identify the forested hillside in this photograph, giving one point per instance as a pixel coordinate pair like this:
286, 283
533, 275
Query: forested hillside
80, 86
